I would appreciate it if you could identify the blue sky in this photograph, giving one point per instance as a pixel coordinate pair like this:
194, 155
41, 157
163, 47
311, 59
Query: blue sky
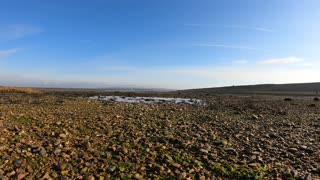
173, 44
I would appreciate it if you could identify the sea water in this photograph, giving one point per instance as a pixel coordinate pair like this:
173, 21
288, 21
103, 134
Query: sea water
147, 99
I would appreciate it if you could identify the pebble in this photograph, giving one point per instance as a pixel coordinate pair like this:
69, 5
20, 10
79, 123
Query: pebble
111, 168
2, 147
204, 151
63, 135
89, 178
18, 162
176, 165
43, 152
64, 178
254, 164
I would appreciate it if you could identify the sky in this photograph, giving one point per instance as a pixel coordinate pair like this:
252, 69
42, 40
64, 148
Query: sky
175, 44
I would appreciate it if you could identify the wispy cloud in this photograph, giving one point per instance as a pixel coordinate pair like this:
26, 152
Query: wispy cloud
287, 60
8, 52
16, 31
240, 62
227, 46
255, 28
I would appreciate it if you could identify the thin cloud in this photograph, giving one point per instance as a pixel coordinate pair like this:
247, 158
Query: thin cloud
8, 52
287, 60
240, 62
255, 28
227, 46
16, 31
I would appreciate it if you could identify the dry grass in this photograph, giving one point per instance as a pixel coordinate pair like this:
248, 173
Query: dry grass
18, 90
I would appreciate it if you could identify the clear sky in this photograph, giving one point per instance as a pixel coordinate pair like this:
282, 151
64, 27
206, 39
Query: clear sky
158, 43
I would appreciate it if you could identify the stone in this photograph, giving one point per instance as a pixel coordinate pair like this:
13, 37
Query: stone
176, 165
204, 151
43, 152
63, 135
254, 164
64, 178
111, 168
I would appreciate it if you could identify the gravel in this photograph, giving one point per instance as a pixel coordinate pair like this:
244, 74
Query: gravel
228, 137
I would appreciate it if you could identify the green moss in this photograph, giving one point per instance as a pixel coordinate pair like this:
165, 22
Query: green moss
240, 171
24, 120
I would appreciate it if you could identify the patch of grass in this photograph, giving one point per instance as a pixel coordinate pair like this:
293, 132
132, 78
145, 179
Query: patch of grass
241, 171
24, 120
4, 89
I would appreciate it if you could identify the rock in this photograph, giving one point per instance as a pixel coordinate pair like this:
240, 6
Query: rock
138, 176
61, 166
11, 173
111, 168
308, 177
46, 176
255, 117
57, 151
254, 164
43, 152
63, 136
64, 178
312, 105
176, 165
293, 150
2, 147
88, 145
18, 162
89, 178
232, 151
21, 176
219, 142
204, 151
182, 176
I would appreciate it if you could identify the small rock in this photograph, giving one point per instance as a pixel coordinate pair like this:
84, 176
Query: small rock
204, 151
111, 168
303, 147
63, 135
2, 147
57, 151
21, 176
43, 152
125, 150
46, 176
138, 176
89, 178
9, 174
182, 176
254, 164
255, 117
61, 166
18, 162
287, 99
64, 178
88, 145
307, 177
176, 165
293, 150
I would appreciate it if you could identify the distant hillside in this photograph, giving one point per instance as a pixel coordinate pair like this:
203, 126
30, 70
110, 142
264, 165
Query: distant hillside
5, 89
298, 88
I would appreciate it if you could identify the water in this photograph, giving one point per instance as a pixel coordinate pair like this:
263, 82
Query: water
147, 99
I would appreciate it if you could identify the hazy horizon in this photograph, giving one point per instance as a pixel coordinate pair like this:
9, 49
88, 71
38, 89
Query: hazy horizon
172, 44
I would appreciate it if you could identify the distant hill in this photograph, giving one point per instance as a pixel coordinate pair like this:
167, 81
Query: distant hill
297, 88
